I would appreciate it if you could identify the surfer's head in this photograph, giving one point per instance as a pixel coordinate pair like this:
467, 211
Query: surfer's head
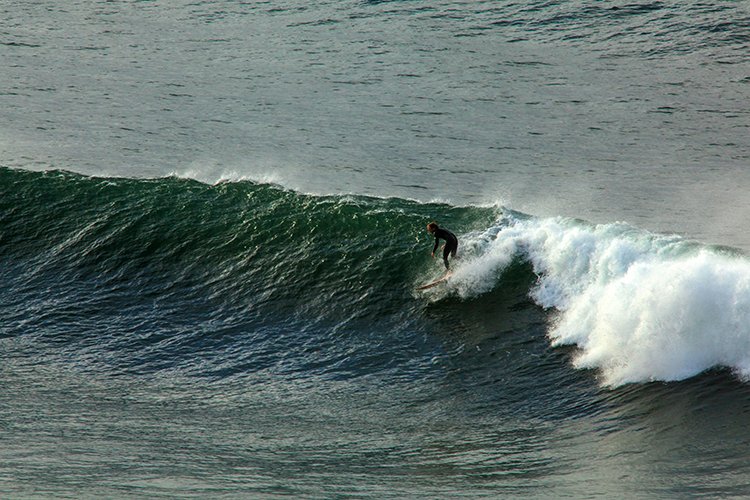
432, 227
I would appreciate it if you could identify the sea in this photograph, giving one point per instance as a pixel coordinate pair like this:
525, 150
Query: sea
212, 232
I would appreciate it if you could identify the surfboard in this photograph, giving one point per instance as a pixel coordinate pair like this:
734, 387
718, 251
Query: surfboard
436, 282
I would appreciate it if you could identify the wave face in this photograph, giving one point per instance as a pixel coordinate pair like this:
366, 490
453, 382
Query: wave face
210, 279
145, 276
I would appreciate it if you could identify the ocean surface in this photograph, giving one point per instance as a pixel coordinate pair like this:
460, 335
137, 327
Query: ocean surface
212, 228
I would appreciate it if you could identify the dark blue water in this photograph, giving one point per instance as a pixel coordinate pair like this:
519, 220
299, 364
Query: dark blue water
212, 228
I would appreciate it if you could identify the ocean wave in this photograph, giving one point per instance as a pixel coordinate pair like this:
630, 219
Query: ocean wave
248, 276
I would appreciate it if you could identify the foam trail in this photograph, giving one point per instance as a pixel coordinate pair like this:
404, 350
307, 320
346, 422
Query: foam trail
640, 307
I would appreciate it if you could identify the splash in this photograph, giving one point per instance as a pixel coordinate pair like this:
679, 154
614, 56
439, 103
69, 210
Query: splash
640, 307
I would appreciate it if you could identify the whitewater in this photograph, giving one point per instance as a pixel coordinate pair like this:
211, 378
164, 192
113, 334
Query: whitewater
641, 307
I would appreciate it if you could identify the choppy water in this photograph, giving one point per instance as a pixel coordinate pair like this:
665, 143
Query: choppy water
212, 225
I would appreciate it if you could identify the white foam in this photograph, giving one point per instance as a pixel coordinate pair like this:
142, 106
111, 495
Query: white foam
640, 306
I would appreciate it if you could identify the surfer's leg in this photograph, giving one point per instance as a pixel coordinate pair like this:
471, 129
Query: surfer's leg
449, 249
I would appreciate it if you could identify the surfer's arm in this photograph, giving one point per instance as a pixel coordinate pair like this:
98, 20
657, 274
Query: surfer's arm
437, 242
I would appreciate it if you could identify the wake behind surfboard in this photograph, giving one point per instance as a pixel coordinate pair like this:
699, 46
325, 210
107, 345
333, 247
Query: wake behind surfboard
436, 282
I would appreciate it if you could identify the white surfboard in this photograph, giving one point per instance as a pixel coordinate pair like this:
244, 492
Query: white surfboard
436, 282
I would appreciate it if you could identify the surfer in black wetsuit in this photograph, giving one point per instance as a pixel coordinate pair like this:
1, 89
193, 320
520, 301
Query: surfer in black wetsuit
451, 242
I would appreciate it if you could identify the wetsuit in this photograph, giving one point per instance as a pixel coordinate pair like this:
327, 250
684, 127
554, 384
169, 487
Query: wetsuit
451, 244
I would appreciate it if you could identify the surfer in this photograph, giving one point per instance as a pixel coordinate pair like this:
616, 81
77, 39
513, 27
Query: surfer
451, 242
